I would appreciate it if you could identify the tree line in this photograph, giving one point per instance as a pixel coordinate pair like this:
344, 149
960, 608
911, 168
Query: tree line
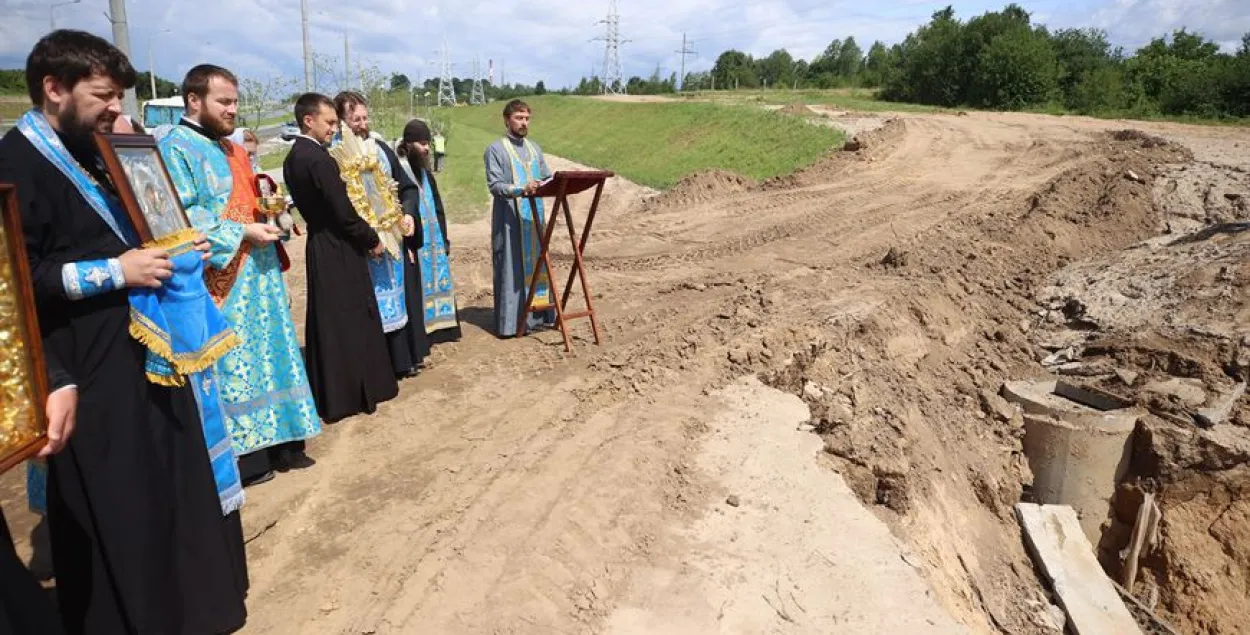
1000, 60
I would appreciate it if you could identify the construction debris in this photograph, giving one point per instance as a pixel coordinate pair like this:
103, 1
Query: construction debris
1060, 550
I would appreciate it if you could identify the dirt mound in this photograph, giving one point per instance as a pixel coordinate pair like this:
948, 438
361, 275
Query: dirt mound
797, 109
868, 146
881, 138
701, 186
1148, 140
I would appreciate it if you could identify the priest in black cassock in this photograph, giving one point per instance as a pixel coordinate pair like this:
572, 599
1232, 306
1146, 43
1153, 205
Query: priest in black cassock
349, 368
140, 540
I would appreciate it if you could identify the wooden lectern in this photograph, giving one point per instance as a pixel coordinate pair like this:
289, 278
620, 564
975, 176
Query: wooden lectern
560, 186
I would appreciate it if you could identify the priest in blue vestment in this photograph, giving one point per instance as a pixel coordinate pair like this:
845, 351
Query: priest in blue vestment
267, 400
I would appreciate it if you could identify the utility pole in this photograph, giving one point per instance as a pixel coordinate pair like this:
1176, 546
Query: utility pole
613, 84
308, 65
151, 65
347, 64
121, 39
446, 85
685, 50
477, 96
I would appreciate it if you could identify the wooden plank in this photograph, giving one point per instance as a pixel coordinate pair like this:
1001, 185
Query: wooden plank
1061, 551
1143, 537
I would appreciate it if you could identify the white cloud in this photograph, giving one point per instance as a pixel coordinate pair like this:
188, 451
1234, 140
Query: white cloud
1136, 22
554, 41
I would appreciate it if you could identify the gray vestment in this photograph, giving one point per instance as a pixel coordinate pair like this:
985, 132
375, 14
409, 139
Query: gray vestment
505, 229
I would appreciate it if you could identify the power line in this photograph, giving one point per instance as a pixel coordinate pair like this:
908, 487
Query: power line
684, 51
477, 96
612, 82
446, 87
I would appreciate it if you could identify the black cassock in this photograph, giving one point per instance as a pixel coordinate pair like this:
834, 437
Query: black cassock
25, 609
409, 345
349, 368
139, 544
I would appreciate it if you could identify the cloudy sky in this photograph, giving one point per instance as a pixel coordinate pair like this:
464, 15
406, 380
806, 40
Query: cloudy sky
552, 41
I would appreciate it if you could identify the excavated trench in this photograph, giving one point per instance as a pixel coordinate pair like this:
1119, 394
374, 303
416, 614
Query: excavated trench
906, 395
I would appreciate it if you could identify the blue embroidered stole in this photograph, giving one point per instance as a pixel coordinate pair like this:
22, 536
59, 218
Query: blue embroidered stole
530, 217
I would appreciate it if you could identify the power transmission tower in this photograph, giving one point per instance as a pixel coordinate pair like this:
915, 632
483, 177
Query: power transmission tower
477, 96
446, 87
613, 84
685, 50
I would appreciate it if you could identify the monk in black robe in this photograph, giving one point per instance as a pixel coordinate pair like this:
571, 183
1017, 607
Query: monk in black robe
139, 541
415, 148
349, 368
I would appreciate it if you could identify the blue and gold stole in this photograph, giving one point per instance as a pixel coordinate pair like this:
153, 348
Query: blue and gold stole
530, 218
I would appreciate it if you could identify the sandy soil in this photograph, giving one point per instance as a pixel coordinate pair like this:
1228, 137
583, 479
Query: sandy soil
514, 488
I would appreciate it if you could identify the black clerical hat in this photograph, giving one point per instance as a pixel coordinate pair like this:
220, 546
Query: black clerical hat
416, 130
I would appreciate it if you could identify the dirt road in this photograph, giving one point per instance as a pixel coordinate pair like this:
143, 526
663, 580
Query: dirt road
512, 488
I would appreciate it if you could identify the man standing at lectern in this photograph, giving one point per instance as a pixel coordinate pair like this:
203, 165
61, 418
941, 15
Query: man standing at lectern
514, 168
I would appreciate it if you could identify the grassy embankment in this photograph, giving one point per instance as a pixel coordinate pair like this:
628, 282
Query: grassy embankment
649, 143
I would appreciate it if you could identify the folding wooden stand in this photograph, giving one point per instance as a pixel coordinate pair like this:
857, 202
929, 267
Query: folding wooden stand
562, 185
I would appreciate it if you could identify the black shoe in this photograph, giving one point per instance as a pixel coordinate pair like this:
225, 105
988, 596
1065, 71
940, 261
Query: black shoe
287, 460
259, 478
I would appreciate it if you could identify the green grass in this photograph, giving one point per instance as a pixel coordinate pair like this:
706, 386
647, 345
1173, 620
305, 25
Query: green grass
656, 144
273, 160
271, 121
462, 183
